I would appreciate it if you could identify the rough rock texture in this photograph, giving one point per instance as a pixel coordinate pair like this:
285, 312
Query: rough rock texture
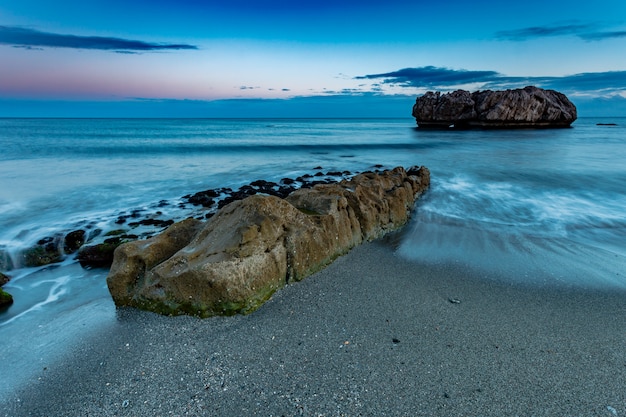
6, 263
255, 246
134, 259
46, 251
101, 254
520, 108
5, 300
4, 279
73, 241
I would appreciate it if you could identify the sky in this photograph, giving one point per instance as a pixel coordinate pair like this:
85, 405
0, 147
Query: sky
279, 58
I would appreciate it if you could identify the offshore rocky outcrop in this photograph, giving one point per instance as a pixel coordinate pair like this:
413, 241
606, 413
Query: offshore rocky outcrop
528, 107
252, 247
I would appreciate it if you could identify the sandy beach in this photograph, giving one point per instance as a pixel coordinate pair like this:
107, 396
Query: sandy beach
372, 334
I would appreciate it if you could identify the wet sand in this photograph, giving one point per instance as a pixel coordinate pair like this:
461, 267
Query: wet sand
372, 334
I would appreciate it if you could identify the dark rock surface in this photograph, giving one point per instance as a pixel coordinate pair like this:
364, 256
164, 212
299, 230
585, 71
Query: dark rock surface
45, 251
101, 255
73, 241
6, 263
4, 279
528, 107
6, 299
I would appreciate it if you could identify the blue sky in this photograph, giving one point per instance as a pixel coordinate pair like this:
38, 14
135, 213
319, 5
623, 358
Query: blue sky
281, 58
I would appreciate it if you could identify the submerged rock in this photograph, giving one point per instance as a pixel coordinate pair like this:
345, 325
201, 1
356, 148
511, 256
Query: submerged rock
528, 107
6, 299
101, 254
6, 263
4, 279
46, 251
51, 249
253, 247
73, 241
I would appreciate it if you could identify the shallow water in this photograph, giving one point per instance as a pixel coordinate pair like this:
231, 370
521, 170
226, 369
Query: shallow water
539, 207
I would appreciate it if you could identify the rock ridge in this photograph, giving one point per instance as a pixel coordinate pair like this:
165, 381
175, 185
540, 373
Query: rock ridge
250, 248
528, 107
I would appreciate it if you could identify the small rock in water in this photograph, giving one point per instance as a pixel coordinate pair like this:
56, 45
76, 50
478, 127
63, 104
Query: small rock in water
4, 279
73, 241
100, 255
6, 263
6, 300
46, 251
152, 222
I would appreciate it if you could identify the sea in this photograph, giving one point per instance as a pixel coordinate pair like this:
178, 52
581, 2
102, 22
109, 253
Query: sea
531, 207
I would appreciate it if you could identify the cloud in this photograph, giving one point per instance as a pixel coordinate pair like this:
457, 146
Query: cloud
430, 76
586, 32
434, 77
30, 38
542, 32
610, 81
601, 83
598, 36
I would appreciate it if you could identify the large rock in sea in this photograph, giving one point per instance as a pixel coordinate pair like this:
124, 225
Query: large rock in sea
253, 247
528, 107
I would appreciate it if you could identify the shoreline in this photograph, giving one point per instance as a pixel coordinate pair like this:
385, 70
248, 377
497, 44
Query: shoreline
371, 334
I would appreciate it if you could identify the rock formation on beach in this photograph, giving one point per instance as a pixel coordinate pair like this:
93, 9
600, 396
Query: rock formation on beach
252, 247
528, 107
94, 247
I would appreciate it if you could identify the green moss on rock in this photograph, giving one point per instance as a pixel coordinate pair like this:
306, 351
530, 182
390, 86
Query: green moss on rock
6, 299
115, 232
168, 307
40, 256
101, 255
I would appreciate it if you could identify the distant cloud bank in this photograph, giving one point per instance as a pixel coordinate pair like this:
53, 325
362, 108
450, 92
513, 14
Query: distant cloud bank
586, 32
604, 83
430, 77
34, 39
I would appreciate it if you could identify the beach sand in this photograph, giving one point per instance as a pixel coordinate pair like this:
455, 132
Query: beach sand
371, 335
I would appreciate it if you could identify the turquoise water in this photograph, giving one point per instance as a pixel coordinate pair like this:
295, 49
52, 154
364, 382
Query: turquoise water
537, 207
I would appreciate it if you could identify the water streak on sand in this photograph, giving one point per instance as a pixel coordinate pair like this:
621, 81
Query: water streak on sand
56, 291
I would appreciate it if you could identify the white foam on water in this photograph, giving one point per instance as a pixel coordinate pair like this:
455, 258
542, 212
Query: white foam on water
530, 235
57, 290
